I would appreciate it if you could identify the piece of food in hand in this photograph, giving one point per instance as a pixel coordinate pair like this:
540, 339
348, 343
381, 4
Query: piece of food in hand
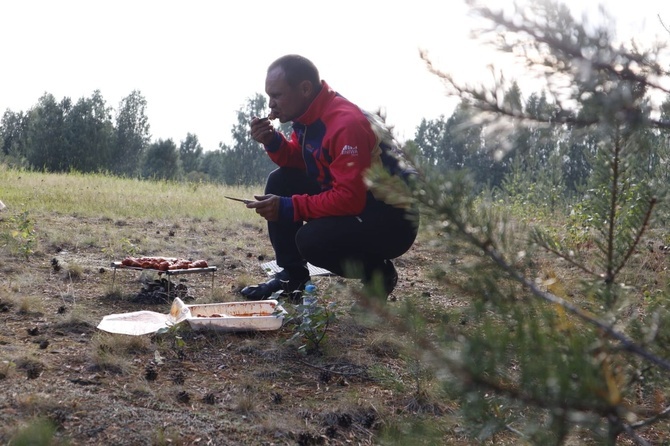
272, 116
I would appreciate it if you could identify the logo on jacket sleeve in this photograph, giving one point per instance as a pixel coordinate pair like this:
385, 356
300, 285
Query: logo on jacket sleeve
348, 150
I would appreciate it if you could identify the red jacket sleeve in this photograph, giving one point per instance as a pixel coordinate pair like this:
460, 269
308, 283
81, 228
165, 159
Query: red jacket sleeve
286, 153
349, 145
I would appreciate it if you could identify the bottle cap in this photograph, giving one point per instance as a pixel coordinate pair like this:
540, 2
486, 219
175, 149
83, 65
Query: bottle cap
310, 288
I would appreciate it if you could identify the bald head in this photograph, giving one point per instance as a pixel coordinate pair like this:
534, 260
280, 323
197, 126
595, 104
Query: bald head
297, 69
292, 83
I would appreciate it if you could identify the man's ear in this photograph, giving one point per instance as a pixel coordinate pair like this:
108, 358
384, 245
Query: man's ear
306, 88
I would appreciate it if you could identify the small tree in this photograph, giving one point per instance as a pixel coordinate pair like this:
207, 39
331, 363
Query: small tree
47, 146
213, 164
190, 153
549, 356
89, 133
162, 161
246, 162
132, 134
13, 137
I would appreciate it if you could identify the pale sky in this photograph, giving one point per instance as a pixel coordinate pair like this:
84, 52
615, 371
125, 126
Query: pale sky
196, 62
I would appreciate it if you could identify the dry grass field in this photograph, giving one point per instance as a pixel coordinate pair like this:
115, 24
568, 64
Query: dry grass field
65, 382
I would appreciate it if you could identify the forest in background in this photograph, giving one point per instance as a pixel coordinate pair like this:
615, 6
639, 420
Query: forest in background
542, 163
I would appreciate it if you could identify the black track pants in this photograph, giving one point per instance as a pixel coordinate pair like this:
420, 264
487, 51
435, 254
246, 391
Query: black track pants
350, 246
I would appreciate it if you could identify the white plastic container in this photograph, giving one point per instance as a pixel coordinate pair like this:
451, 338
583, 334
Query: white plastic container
262, 315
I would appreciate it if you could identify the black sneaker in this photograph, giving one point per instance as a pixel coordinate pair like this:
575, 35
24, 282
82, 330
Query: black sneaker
292, 289
262, 290
383, 281
390, 277
280, 282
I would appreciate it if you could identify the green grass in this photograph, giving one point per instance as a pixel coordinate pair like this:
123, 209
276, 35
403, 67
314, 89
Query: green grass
85, 221
49, 212
75, 225
109, 197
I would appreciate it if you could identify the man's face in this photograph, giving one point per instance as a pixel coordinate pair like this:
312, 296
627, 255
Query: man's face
286, 103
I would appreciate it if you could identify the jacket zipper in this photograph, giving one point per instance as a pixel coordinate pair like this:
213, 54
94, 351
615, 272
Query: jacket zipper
302, 148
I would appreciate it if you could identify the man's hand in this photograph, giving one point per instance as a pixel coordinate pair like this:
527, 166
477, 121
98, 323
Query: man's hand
267, 206
262, 130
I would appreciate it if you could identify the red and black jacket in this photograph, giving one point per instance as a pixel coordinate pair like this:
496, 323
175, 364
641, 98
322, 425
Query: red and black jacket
336, 143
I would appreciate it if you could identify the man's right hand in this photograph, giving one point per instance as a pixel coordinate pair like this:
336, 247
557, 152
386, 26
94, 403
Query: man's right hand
262, 130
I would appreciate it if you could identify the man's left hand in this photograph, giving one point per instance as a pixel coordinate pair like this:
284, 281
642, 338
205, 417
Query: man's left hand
267, 206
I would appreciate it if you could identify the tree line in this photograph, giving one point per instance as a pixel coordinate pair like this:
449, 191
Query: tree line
90, 136
63, 135
542, 161
538, 161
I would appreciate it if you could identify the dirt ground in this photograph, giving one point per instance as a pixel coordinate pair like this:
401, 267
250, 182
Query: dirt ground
196, 387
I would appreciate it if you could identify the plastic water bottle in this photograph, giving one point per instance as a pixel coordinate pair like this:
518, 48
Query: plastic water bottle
309, 299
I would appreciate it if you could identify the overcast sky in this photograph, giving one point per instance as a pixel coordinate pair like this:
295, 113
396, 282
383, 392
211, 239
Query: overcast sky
197, 62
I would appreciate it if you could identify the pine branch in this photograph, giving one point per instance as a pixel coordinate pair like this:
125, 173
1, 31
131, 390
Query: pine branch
638, 236
663, 24
633, 435
626, 343
611, 220
574, 53
664, 414
568, 259
492, 104
425, 345
488, 248
567, 56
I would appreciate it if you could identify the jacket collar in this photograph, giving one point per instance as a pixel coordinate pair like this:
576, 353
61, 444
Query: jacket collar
318, 105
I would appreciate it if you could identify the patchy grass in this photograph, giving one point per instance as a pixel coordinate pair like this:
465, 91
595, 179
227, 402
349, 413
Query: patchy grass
180, 386
370, 384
